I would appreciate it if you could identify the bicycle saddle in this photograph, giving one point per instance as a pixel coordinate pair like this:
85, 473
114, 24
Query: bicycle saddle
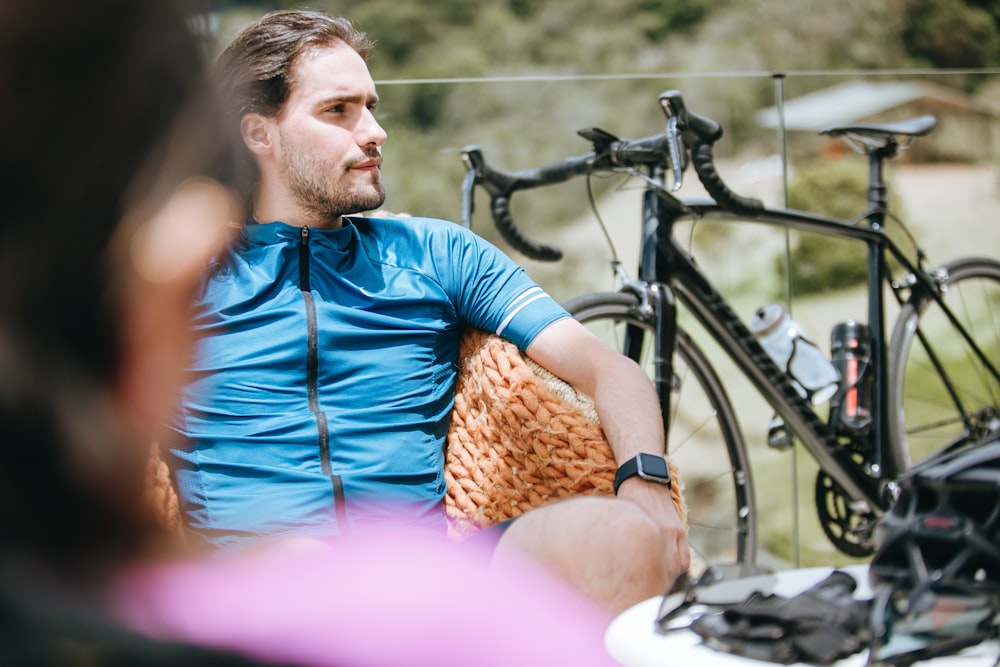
914, 127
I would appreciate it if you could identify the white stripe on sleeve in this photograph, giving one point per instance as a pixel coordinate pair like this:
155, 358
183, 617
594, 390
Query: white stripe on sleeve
520, 303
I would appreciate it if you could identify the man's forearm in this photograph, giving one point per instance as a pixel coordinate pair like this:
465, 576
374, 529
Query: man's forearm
629, 411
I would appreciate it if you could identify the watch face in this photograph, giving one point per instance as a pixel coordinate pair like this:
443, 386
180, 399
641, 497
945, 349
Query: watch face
653, 466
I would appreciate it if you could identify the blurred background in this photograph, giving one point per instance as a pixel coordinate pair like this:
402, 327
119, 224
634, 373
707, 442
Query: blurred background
519, 77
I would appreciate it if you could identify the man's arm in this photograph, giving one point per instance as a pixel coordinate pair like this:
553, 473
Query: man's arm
627, 406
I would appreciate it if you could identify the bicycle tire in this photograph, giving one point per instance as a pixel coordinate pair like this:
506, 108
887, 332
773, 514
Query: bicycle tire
718, 485
924, 417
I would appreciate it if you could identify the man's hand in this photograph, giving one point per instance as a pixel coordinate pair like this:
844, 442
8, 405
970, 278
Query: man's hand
630, 416
658, 503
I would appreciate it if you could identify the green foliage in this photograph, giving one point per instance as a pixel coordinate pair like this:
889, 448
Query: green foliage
399, 34
660, 18
551, 49
525, 9
953, 33
426, 105
837, 188
821, 262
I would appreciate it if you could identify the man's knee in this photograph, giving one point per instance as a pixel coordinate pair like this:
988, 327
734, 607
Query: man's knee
609, 547
638, 541
600, 523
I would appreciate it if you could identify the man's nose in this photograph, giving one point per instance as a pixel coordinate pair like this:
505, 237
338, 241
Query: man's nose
370, 131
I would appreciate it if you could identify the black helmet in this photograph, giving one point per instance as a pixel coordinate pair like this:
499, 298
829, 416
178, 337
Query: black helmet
944, 529
936, 572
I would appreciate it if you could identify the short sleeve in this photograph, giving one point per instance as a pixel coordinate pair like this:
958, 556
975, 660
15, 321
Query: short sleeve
490, 291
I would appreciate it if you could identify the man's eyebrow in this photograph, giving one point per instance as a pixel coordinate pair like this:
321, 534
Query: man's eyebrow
350, 98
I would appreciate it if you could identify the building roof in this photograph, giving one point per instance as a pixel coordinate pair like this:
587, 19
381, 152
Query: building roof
856, 101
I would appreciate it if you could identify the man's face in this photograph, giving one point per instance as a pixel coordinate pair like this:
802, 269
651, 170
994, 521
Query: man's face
329, 151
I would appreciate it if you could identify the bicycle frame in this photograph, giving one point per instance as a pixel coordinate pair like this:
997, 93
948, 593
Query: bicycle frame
663, 263
669, 279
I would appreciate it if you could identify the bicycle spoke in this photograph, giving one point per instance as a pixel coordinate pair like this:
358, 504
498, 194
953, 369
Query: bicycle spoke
703, 441
958, 396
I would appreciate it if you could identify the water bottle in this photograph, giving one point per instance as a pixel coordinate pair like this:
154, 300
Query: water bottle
850, 351
813, 376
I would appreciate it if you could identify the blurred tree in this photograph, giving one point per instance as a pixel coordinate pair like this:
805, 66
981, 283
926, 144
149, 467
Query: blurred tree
819, 262
953, 33
659, 18
545, 44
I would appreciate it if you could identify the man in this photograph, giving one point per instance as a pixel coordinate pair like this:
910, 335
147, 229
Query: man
325, 377
94, 334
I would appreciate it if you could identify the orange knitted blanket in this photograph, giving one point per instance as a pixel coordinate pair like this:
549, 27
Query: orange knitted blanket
519, 437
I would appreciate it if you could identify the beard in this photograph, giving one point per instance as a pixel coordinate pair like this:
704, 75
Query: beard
328, 189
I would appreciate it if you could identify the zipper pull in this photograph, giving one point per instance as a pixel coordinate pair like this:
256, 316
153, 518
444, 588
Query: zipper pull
304, 259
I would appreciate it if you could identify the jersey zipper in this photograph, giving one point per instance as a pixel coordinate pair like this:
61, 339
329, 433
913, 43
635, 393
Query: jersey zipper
312, 382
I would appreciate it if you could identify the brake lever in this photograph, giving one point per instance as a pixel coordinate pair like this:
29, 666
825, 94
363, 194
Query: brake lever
676, 148
468, 197
673, 108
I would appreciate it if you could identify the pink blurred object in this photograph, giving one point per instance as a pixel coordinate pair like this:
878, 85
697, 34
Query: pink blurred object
372, 600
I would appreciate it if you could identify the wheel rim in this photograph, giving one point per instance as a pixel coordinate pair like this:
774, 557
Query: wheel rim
704, 440
934, 409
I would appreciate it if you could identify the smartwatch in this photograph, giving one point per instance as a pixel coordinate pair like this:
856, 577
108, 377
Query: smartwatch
647, 466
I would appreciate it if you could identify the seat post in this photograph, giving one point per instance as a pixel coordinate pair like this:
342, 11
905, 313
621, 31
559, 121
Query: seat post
878, 190
878, 199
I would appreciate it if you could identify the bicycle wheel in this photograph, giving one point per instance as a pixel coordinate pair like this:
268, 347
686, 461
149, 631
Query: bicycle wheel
940, 391
704, 441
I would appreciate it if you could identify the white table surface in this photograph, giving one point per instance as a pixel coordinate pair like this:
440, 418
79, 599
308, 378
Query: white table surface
632, 640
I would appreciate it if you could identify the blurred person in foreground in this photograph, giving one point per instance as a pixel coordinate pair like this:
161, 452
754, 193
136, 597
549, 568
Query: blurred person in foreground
110, 213
326, 366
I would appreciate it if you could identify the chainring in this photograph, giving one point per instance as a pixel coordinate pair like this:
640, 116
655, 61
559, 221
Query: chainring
849, 530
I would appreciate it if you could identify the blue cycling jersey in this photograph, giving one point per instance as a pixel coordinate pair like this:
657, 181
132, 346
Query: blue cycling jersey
325, 372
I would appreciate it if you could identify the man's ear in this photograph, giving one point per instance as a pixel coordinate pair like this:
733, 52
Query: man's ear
168, 256
257, 132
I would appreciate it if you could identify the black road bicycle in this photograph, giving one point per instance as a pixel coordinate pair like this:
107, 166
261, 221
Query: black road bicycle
930, 383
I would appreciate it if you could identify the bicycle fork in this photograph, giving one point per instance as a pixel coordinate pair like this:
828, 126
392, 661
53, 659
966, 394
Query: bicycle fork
664, 341
656, 304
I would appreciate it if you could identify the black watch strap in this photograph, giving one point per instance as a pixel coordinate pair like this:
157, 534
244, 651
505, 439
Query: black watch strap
650, 467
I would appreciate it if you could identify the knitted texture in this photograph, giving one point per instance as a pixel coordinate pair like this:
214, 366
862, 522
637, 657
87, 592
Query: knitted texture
161, 492
521, 437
